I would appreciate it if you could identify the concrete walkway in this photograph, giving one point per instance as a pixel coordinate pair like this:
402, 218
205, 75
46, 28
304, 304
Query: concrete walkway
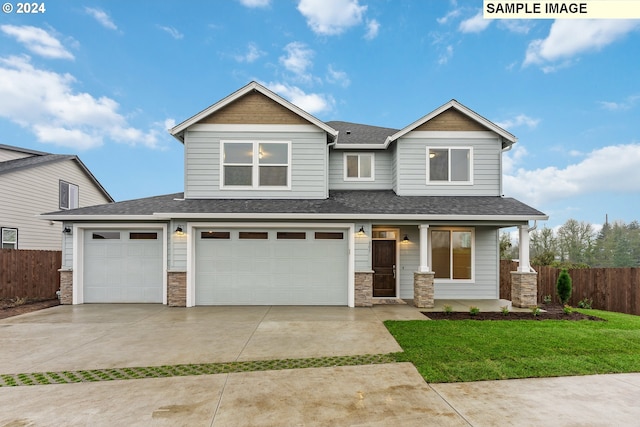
102, 336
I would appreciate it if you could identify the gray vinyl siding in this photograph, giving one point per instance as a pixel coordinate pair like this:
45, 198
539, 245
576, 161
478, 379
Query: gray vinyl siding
394, 167
308, 165
67, 247
412, 159
409, 259
362, 247
487, 283
177, 248
383, 172
33, 191
6, 155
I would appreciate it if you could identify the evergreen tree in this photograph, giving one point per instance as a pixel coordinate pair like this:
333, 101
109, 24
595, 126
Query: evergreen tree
563, 286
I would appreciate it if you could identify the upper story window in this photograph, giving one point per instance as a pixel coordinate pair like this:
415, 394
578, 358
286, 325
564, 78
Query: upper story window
255, 164
449, 165
9, 238
68, 195
359, 166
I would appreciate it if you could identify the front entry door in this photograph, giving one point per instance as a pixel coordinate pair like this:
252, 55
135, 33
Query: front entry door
384, 268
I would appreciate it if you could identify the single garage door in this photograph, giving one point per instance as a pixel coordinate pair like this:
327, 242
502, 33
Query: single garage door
122, 266
271, 267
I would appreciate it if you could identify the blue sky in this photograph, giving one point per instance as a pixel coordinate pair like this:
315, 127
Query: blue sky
105, 79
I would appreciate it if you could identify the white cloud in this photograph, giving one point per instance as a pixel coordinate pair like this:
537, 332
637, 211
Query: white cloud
172, 32
337, 77
46, 103
446, 55
312, 103
608, 169
627, 104
519, 120
570, 37
373, 27
298, 59
331, 17
253, 54
452, 14
37, 41
255, 3
475, 24
518, 26
102, 17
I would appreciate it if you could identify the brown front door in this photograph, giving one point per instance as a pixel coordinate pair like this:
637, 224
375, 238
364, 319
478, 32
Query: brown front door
384, 268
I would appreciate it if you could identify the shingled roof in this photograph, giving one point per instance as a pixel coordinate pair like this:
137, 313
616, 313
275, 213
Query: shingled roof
358, 134
340, 204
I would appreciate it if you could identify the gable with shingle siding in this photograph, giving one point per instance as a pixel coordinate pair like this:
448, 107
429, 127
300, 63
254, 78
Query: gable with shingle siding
254, 108
451, 120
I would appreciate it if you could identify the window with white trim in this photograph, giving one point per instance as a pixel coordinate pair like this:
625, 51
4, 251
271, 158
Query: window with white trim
359, 166
68, 195
9, 238
452, 253
255, 164
449, 165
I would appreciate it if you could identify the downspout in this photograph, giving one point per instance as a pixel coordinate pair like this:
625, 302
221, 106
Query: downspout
535, 225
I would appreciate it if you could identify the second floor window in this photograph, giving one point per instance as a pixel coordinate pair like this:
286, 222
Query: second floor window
255, 164
449, 165
358, 167
68, 195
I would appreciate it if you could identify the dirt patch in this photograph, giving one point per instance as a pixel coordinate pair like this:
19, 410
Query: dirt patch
14, 306
551, 312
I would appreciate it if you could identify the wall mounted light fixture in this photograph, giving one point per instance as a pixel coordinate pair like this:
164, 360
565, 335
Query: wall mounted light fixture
361, 231
179, 231
66, 230
405, 239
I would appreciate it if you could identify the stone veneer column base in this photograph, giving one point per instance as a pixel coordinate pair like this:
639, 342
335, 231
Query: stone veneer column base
363, 289
66, 286
177, 288
524, 289
423, 289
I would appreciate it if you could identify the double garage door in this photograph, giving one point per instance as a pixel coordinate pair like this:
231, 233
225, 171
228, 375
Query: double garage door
271, 267
123, 266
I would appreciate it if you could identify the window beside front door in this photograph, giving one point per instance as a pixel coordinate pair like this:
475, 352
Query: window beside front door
452, 253
9, 238
359, 166
68, 195
449, 165
255, 164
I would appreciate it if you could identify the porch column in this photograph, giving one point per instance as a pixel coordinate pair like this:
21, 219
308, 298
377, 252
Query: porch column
424, 249
523, 265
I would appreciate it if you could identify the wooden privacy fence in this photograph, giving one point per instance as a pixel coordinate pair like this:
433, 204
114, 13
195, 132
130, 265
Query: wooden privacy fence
27, 273
612, 289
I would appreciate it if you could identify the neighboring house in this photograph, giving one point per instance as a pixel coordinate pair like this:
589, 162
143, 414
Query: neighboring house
282, 208
33, 182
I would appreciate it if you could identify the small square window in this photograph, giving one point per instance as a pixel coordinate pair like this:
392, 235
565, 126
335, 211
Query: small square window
359, 166
68, 195
9, 238
449, 165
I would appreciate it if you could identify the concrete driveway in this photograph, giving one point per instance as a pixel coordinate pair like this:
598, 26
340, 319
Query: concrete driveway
115, 336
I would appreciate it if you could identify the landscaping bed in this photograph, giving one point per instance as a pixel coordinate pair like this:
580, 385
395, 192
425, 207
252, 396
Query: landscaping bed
14, 306
551, 312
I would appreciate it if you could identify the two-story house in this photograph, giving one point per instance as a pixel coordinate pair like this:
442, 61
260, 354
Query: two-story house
281, 208
33, 182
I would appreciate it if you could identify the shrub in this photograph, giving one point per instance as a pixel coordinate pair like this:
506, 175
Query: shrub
504, 310
547, 299
473, 310
567, 309
535, 311
563, 286
585, 303
447, 309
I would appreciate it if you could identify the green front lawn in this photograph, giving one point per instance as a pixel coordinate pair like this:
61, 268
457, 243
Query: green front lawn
470, 350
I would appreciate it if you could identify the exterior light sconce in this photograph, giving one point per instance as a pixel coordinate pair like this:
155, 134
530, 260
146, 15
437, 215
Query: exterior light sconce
179, 231
361, 231
405, 239
66, 230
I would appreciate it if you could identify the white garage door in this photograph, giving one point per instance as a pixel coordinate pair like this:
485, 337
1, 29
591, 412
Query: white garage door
271, 267
122, 266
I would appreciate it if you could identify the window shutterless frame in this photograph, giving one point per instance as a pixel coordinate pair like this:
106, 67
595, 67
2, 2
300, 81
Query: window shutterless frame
69, 195
452, 254
9, 238
359, 166
449, 165
255, 165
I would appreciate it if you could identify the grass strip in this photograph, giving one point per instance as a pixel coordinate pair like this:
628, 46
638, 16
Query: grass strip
467, 350
96, 375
